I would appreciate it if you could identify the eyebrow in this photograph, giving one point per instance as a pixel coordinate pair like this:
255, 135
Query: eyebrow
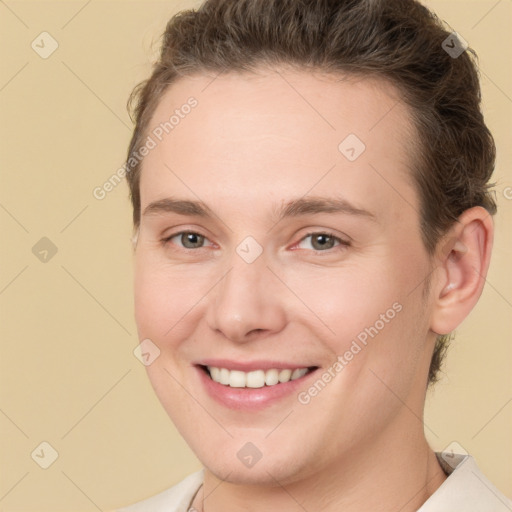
294, 208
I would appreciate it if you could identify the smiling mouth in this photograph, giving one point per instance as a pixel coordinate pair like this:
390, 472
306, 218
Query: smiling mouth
255, 378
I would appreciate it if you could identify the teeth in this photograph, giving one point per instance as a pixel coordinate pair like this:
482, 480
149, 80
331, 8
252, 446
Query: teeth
271, 377
237, 379
224, 376
298, 373
284, 375
215, 372
254, 379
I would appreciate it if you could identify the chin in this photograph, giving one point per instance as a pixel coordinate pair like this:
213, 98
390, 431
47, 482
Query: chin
268, 467
260, 474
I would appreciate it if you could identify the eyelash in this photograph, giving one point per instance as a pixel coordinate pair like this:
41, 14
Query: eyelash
343, 244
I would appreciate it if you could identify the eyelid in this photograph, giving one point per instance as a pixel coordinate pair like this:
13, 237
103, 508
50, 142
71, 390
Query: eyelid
342, 242
166, 239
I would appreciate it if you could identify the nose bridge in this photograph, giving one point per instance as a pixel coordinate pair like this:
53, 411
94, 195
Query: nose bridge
246, 299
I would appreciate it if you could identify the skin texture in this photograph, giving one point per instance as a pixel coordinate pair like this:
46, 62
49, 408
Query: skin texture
253, 143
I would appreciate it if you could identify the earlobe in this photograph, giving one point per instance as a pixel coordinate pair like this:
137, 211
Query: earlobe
462, 266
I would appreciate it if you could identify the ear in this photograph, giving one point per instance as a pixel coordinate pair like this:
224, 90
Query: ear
462, 262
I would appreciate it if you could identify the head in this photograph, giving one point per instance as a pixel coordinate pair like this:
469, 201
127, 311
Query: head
282, 107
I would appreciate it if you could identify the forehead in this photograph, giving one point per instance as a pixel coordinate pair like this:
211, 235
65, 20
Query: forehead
280, 131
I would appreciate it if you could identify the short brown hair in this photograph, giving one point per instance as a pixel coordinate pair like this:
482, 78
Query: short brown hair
397, 40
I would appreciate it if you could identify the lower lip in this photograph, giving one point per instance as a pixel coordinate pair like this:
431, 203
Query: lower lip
251, 398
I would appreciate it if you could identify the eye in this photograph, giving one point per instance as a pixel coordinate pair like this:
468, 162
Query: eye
322, 242
188, 239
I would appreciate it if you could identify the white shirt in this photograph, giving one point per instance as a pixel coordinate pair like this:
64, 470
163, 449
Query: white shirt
465, 490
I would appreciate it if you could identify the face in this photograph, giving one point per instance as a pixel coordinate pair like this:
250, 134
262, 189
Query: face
301, 260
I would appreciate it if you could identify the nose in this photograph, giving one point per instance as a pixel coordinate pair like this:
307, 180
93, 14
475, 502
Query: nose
248, 302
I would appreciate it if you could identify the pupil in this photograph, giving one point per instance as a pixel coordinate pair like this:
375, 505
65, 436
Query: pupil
321, 240
193, 239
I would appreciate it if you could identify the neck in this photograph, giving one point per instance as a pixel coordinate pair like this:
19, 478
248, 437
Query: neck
391, 473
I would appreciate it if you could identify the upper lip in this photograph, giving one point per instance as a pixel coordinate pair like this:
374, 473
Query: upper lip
247, 366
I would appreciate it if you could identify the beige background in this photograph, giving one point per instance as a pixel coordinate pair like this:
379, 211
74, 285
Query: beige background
68, 373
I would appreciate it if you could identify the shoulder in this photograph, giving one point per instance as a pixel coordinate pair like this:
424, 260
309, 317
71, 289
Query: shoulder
466, 489
174, 499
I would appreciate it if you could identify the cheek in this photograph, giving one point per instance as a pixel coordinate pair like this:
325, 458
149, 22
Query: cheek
166, 297
347, 300
152, 303
368, 312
